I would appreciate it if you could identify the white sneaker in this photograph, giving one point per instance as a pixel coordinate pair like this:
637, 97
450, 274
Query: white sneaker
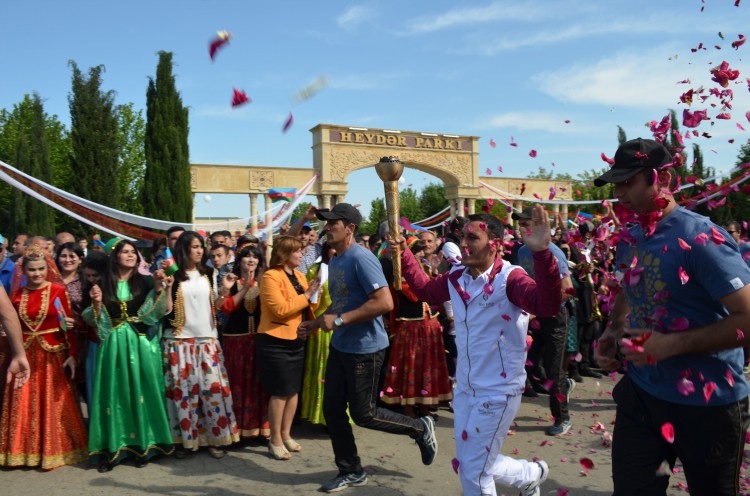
533, 489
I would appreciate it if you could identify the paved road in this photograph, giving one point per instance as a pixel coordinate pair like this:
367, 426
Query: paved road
393, 462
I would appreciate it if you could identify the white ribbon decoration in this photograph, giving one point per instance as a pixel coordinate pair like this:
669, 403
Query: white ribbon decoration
5, 177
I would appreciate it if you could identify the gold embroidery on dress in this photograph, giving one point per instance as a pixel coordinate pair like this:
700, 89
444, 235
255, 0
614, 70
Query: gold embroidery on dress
35, 323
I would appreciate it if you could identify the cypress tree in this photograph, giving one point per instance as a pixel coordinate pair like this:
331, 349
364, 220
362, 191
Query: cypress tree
40, 216
166, 189
94, 137
19, 206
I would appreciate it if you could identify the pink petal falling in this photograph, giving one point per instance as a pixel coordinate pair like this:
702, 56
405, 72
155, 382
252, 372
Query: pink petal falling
684, 277
667, 431
708, 390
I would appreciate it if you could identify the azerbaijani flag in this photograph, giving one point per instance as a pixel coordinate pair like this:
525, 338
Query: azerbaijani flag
98, 240
286, 194
172, 266
382, 249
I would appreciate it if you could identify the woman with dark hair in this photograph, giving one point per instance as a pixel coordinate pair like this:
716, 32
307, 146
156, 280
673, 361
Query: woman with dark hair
417, 372
284, 300
199, 398
68, 260
41, 423
239, 299
94, 266
128, 415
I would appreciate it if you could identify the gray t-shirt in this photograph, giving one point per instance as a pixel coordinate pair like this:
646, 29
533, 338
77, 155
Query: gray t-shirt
351, 278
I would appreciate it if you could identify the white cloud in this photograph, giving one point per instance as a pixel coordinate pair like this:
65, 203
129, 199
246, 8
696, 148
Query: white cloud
354, 16
629, 80
535, 121
365, 82
496, 11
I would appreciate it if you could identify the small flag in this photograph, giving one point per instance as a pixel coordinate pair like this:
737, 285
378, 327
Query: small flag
98, 240
60, 314
286, 194
172, 266
382, 249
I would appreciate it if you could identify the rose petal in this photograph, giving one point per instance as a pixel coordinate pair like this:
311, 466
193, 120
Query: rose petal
455, 465
667, 430
708, 390
684, 277
586, 463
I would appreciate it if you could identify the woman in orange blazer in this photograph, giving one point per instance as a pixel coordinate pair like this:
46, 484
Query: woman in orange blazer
284, 302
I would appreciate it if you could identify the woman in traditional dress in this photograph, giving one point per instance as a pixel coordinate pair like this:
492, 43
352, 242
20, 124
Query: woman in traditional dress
128, 412
239, 301
417, 373
316, 356
68, 261
94, 265
41, 423
285, 300
199, 398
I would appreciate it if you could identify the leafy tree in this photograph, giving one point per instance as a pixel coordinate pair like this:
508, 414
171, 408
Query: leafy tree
377, 215
409, 205
94, 138
132, 161
18, 122
166, 190
432, 199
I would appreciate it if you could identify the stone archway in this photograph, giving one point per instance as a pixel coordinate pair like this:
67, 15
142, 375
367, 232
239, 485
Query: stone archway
341, 150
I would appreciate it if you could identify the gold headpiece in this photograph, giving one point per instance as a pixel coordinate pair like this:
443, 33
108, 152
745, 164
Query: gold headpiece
34, 252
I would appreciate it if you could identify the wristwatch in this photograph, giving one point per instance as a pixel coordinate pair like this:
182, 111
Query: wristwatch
339, 321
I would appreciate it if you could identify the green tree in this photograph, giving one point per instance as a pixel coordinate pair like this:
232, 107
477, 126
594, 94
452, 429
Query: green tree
409, 205
132, 161
20, 204
40, 217
94, 138
166, 189
432, 199
18, 122
377, 215
621, 136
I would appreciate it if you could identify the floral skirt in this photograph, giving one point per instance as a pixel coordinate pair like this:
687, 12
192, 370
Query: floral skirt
417, 373
249, 402
313, 381
199, 398
41, 423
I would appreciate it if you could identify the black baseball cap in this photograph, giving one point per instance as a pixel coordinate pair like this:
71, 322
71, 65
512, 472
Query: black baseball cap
344, 211
525, 214
633, 156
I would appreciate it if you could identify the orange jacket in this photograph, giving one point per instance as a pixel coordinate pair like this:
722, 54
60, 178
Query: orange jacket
281, 308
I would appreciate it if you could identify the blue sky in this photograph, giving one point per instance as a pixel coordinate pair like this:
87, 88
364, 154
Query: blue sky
494, 69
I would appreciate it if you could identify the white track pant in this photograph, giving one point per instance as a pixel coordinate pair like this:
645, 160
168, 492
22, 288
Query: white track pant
486, 420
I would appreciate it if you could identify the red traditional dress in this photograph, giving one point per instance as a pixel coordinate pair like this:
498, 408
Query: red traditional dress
417, 373
41, 422
249, 402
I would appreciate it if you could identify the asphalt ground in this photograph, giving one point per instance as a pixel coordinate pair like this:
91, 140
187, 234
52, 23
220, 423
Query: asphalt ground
392, 462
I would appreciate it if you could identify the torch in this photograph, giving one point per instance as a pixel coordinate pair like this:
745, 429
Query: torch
389, 170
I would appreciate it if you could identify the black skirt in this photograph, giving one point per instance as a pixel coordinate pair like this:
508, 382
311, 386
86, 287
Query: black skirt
281, 363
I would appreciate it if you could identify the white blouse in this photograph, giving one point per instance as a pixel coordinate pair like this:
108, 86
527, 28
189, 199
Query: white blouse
197, 299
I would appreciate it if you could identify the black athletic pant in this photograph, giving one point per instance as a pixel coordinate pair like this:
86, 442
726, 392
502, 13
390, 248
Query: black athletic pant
709, 440
352, 379
549, 345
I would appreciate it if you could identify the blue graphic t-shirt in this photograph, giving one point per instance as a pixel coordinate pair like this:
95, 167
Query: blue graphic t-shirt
658, 299
526, 260
351, 278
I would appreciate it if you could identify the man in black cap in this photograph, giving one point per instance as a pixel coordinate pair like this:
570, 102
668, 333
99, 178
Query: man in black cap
360, 296
685, 308
550, 335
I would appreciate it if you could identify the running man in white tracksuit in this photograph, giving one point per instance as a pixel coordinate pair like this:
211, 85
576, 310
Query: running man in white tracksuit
491, 302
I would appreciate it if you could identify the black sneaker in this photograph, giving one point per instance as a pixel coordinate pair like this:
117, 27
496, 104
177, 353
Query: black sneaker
587, 372
427, 442
342, 481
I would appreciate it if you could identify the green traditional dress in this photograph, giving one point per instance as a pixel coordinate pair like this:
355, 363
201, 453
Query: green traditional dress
316, 358
128, 411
